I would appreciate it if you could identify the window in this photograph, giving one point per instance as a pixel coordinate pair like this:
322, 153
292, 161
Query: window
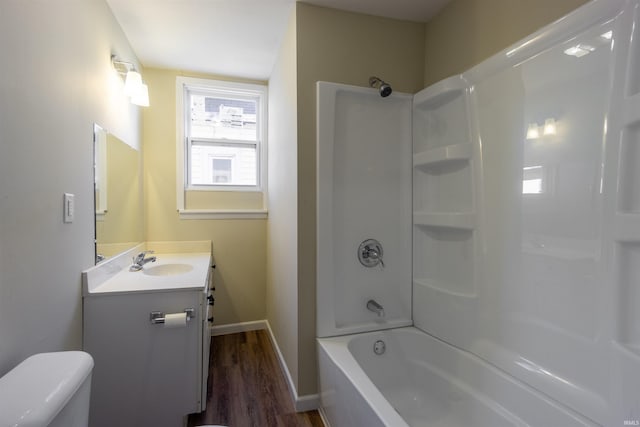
221, 137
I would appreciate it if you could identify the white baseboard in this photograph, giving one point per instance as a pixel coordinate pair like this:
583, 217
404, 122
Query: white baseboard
305, 403
233, 328
325, 420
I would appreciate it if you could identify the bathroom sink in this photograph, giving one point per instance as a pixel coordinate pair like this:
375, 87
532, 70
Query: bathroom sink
167, 269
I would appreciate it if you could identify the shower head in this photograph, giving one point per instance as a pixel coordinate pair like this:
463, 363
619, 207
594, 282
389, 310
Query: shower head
383, 87
385, 90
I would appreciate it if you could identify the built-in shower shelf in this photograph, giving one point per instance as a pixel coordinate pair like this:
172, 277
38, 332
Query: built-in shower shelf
446, 288
442, 155
440, 93
627, 227
628, 275
634, 349
459, 220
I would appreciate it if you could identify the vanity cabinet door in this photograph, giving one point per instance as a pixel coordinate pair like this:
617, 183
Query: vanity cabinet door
145, 374
207, 314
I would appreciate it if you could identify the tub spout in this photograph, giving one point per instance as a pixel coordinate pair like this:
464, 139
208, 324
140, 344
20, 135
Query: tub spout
375, 307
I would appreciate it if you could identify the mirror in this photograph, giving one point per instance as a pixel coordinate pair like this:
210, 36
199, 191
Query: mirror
118, 195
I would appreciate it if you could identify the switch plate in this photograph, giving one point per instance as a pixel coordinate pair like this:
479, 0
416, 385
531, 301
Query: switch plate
69, 208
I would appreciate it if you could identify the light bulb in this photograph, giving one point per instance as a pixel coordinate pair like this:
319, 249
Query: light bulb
532, 131
132, 83
141, 97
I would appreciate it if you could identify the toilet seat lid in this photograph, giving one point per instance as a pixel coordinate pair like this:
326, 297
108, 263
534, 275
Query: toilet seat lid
37, 389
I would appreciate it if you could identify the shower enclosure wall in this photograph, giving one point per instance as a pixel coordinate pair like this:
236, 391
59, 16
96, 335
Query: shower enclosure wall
364, 194
525, 211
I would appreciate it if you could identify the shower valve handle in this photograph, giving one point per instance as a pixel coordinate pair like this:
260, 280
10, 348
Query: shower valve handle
374, 255
370, 253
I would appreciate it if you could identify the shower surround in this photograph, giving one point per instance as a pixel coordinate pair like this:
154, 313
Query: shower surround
520, 244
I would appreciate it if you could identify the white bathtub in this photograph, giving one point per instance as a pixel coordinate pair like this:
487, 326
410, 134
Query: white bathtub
422, 381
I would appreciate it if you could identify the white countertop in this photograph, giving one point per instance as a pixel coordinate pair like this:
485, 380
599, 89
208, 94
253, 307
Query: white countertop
126, 281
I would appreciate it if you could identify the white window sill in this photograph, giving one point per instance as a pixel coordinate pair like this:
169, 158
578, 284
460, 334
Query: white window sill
223, 213
237, 188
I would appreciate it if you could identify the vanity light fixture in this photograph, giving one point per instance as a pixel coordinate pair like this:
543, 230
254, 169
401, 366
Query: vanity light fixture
133, 85
132, 82
141, 96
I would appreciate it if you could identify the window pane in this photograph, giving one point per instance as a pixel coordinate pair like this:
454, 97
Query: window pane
219, 164
533, 180
221, 171
532, 186
223, 118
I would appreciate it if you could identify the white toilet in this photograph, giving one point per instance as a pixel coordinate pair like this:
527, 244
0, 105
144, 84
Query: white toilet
47, 390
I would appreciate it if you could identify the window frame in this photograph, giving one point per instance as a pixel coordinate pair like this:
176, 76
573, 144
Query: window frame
219, 88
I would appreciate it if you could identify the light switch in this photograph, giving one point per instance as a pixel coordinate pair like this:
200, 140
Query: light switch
69, 208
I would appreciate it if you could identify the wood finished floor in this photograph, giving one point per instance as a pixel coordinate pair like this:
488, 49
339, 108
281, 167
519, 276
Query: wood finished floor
246, 386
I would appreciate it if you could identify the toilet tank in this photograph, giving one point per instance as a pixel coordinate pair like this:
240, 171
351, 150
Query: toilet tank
47, 389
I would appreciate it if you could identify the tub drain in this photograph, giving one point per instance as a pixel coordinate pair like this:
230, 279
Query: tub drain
379, 347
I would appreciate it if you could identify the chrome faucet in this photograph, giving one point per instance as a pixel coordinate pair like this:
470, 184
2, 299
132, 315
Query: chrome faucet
140, 260
375, 307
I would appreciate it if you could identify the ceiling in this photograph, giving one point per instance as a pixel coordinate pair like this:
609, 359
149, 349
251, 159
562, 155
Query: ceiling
237, 38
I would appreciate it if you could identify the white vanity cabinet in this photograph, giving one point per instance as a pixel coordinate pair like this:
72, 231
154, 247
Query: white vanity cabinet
146, 373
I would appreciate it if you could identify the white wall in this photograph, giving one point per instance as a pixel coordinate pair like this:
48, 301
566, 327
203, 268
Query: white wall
56, 80
282, 243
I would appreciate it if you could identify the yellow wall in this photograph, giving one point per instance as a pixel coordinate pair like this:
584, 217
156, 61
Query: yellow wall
282, 231
466, 32
340, 47
239, 246
223, 200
